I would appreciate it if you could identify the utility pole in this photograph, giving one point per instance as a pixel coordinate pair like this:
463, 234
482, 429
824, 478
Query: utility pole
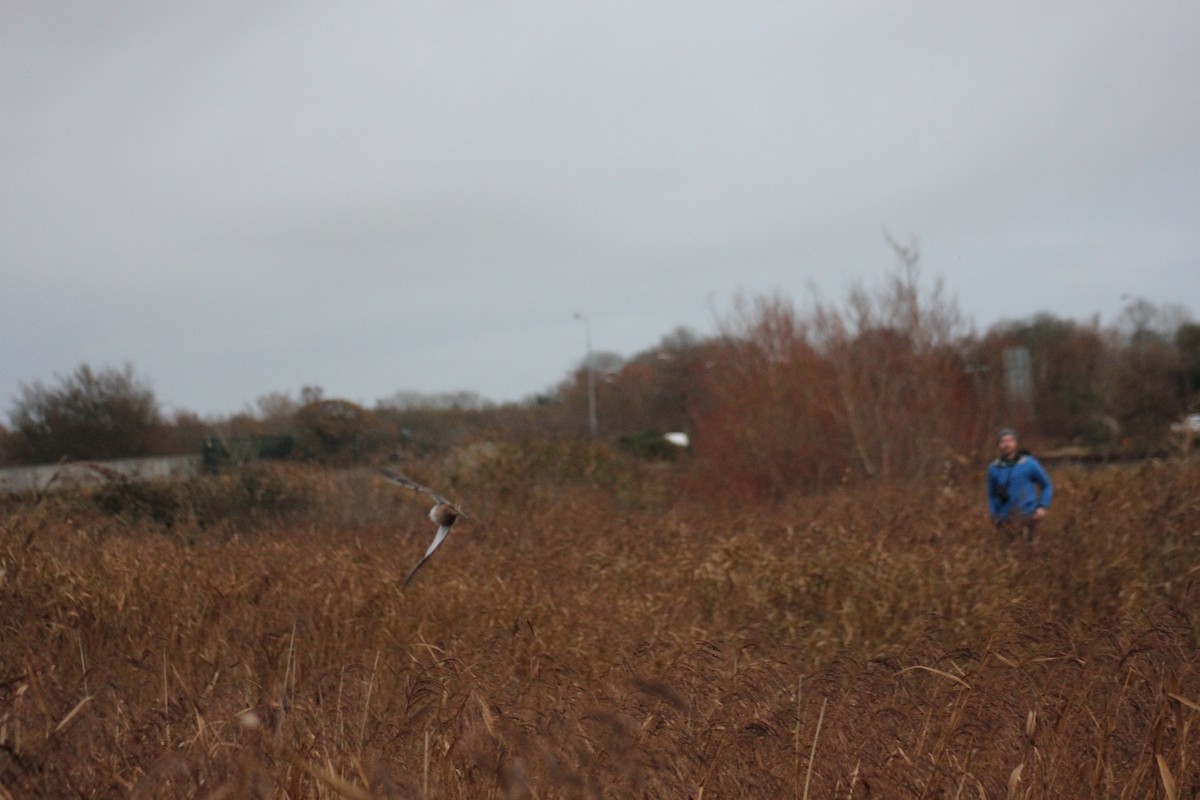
591, 373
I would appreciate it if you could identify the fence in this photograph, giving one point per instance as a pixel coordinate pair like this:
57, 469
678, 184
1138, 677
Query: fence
88, 473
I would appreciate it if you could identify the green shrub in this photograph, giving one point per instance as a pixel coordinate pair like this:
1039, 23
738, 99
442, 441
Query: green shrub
250, 493
160, 502
651, 446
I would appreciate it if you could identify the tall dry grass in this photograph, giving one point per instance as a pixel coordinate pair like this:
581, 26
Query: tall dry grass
601, 629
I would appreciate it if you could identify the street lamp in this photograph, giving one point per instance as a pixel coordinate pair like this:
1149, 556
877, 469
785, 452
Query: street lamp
591, 375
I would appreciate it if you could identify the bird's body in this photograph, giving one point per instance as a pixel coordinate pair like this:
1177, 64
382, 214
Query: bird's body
443, 514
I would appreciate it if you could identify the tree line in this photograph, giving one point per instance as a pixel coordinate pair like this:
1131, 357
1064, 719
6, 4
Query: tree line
889, 384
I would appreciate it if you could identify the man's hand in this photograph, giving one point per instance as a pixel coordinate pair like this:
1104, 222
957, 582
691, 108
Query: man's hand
1039, 512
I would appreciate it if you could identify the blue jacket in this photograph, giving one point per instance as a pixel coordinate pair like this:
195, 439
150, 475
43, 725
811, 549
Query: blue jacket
1021, 486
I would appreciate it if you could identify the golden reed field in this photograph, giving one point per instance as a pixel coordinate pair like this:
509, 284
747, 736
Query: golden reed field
598, 628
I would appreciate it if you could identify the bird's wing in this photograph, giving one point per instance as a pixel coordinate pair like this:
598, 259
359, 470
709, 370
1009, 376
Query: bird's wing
437, 540
409, 483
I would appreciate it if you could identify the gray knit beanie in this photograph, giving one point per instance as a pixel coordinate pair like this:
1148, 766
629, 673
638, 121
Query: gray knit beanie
1006, 432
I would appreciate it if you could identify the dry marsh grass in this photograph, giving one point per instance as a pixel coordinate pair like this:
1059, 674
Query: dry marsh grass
599, 629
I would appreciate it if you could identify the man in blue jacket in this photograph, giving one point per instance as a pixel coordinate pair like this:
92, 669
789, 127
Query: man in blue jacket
1019, 490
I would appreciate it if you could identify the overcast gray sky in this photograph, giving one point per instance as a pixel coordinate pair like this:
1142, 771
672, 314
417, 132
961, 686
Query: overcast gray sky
246, 197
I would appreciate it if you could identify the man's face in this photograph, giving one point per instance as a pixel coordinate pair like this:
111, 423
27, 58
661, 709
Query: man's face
1008, 445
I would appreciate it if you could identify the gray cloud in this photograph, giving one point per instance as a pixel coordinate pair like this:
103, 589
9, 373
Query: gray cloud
245, 198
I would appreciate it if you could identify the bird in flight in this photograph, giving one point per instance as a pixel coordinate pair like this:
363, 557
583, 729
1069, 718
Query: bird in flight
444, 514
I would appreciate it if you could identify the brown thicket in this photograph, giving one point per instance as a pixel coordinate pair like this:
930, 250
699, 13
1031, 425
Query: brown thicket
890, 385
901, 384
598, 628
877, 388
89, 414
767, 421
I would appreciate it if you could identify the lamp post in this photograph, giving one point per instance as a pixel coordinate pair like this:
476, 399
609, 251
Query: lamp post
591, 374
